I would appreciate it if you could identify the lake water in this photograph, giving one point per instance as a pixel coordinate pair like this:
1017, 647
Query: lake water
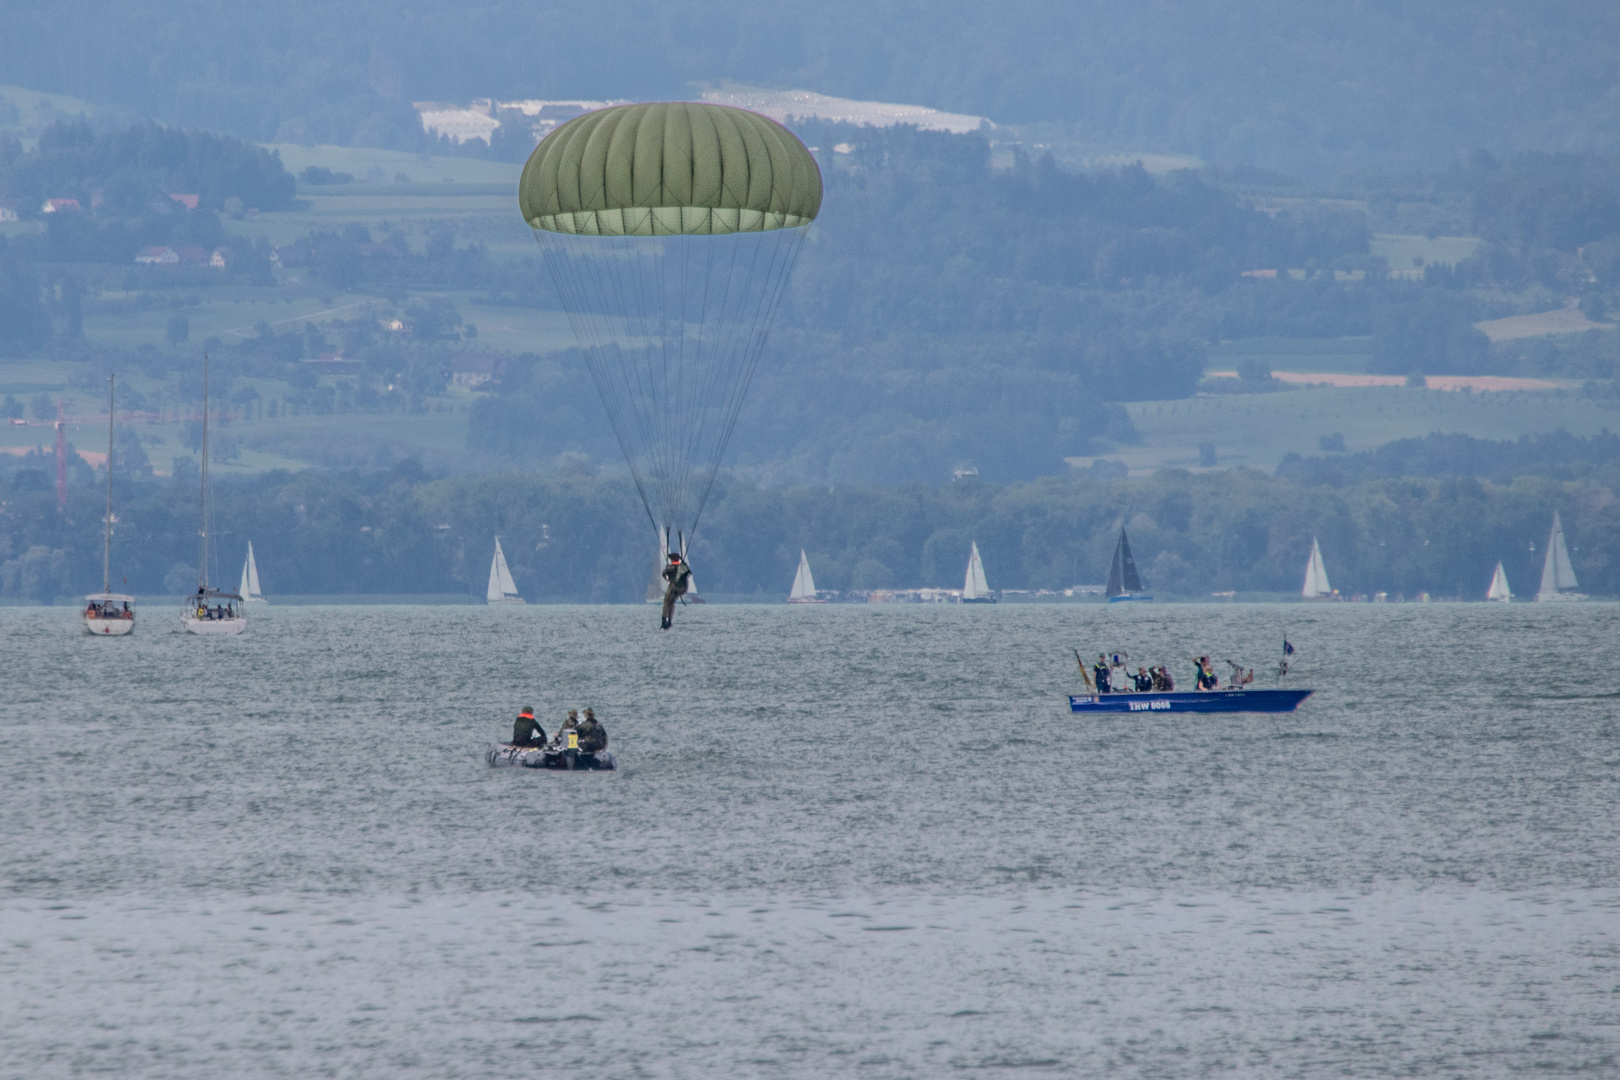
843, 842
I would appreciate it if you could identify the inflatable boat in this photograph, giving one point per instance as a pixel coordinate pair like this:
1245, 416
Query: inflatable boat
505, 755
1210, 701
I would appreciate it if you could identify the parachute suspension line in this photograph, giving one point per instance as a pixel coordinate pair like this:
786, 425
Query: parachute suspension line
693, 401
784, 254
673, 404
568, 277
718, 370
731, 358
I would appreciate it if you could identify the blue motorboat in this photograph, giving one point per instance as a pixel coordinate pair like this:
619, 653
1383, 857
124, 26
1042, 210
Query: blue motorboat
1207, 701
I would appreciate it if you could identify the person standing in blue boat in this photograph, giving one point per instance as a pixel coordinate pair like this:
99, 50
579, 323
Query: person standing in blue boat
1206, 678
1099, 673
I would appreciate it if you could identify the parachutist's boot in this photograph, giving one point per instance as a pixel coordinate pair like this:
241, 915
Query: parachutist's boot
666, 623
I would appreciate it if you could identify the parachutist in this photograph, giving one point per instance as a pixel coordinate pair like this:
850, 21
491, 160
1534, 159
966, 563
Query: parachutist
669, 230
678, 576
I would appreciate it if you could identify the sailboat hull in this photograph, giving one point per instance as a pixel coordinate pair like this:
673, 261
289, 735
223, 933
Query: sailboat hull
507, 601
108, 627
213, 627
1211, 701
505, 755
1129, 599
807, 600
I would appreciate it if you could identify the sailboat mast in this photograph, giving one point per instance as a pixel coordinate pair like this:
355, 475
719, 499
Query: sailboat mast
106, 548
202, 545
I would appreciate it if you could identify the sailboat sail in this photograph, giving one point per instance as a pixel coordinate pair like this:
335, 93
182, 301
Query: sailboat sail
974, 586
502, 589
1123, 579
1499, 586
1316, 579
1557, 574
804, 586
250, 577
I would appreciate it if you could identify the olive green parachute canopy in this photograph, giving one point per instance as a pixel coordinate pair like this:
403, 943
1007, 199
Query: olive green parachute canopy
669, 169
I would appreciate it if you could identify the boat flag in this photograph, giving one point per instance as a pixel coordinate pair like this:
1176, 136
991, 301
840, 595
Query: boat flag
1288, 650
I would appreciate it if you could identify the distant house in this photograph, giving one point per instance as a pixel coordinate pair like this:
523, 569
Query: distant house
7, 214
1259, 273
54, 206
157, 256
398, 326
192, 255
187, 201
476, 369
217, 259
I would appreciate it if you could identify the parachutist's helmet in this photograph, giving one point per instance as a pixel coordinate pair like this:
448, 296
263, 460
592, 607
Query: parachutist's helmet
674, 556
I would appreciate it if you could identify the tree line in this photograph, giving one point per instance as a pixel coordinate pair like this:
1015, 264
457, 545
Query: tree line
572, 535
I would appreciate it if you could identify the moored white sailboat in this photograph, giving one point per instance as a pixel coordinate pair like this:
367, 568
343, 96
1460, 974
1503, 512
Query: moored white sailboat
975, 589
1499, 586
804, 586
250, 580
1557, 574
209, 612
1316, 578
502, 589
109, 614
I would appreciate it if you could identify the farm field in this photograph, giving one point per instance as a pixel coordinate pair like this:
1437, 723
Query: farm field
1259, 430
1349, 355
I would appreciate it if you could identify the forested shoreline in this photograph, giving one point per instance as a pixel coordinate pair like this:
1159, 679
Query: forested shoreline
572, 536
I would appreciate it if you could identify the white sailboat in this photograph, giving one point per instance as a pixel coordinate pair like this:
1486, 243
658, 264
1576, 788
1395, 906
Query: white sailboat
975, 589
1316, 579
1499, 586
502, 589
209, 612
250, 580
1557, 575
109, 614
804, 586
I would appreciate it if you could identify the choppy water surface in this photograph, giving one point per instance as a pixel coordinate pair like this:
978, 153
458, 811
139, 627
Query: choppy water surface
843, 842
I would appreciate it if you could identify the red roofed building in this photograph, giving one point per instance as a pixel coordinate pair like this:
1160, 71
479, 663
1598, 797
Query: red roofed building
157, 256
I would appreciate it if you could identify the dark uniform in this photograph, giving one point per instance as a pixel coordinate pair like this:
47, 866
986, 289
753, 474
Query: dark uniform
679, 576
525, 732
592, 736
1099, 673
